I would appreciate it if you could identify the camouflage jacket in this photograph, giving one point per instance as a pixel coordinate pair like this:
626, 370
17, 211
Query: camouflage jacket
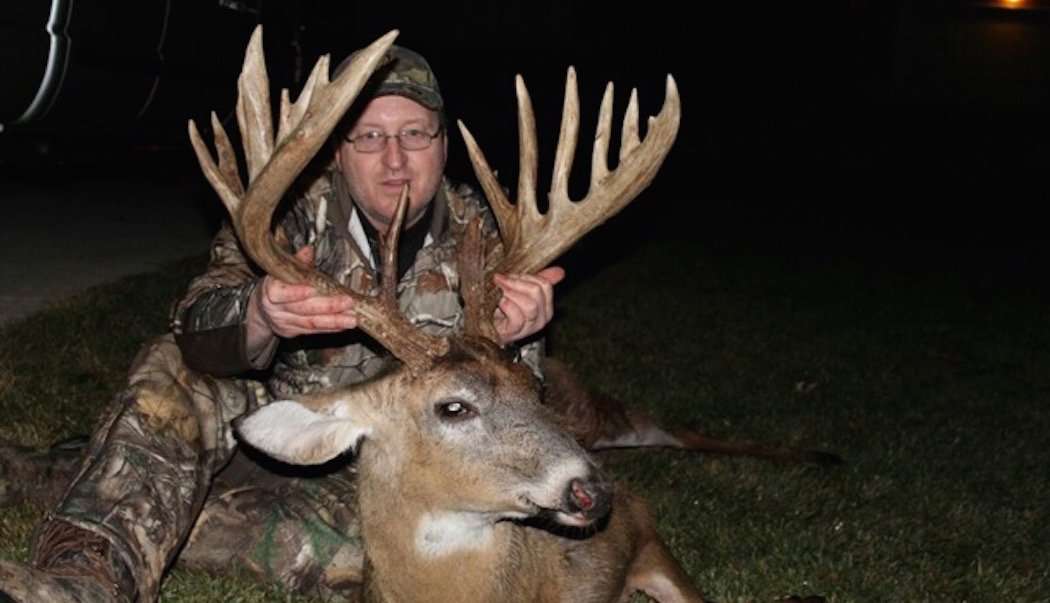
209, 321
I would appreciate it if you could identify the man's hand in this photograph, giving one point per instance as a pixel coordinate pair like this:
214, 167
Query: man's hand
280, 309
527, 304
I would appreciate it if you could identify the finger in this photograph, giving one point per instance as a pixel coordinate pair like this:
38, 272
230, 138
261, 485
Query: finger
305, 255
552, 274
287, 324
327, 323
528, 303
547, 290
314, 327
546, 279
279, 292
522, 283
514, 319
319, 305
534, 294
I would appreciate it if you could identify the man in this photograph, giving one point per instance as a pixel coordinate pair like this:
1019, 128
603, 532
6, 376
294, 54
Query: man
158, 473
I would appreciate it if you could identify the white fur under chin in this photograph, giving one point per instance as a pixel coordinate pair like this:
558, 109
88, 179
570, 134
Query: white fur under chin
446, 533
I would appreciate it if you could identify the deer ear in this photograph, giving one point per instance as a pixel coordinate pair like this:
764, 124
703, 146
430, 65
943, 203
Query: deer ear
290, 432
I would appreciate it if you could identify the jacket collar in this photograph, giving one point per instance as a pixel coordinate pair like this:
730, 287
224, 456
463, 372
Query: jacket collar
348, 221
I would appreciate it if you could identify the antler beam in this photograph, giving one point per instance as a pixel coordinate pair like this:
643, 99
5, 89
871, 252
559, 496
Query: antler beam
531, 240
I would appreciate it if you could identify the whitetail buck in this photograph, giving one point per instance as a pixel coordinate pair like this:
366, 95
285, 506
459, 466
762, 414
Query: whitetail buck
455, 454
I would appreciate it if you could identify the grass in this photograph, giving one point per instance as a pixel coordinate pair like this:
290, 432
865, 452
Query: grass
931, 384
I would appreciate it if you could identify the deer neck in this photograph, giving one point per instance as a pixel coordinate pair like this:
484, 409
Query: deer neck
418, 552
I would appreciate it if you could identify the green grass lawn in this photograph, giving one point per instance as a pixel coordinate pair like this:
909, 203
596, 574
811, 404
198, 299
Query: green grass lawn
932, 386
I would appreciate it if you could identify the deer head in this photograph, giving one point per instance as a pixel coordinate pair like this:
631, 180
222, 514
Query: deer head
460, 425
467, 438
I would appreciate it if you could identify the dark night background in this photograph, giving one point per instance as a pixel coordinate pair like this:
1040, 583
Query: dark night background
859, 187
905, 132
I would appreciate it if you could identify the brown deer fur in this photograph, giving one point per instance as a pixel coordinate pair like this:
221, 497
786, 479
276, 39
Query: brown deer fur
453, 509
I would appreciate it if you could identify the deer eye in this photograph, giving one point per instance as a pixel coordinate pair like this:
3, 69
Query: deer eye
454, 410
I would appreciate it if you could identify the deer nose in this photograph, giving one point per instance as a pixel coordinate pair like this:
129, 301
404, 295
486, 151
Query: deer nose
588, 497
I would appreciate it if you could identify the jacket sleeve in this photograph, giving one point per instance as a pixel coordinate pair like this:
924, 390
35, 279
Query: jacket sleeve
209, 320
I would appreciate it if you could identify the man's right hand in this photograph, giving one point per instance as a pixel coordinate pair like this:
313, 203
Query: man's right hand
281, 309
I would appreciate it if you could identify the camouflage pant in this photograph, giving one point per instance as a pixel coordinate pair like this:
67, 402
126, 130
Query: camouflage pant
158, 476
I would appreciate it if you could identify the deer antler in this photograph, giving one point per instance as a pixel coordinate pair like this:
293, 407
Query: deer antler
273, 165
531, 240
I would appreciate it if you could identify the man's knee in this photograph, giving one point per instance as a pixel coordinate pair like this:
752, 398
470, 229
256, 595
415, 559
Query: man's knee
170, 400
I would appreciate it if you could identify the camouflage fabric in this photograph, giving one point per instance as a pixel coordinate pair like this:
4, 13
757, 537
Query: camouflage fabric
23, 584
297, 530
406, 74
157, 475
149, 465
301, 532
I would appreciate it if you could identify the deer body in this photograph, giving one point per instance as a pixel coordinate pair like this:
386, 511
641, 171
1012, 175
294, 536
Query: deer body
450, 463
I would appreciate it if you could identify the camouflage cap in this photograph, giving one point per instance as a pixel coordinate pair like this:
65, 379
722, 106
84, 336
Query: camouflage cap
406, 73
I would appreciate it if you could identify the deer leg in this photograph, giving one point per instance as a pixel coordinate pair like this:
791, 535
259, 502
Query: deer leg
653, 570
642, 431
600, 422
694, 440
656, 573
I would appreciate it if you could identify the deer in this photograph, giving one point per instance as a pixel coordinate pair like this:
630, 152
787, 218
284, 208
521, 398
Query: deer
471, 485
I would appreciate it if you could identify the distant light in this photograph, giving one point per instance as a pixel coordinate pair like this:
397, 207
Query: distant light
1018, 5
1003, 3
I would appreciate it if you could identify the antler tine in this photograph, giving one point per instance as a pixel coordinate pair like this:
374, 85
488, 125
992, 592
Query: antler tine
567, 137
477, 291
227, 156
629, 138
388, 293
497, 199
303, 129
292, 113
600, 154
509, 215
567, 221
529, 156
223, 177
253, 107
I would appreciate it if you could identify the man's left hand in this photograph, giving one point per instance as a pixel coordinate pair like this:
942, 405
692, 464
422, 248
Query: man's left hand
527, 304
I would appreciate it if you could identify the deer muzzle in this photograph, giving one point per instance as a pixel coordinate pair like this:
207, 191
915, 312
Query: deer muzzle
585, 501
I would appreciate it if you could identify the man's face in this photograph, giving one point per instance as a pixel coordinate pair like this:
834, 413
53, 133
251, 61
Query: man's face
375, 179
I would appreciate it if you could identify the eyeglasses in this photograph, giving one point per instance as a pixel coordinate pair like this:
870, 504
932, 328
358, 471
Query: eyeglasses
374, 141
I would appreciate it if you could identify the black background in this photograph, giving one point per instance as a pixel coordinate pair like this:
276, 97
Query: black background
910, 131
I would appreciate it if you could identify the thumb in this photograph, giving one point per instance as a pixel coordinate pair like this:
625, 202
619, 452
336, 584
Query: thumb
552, 274
305, 255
